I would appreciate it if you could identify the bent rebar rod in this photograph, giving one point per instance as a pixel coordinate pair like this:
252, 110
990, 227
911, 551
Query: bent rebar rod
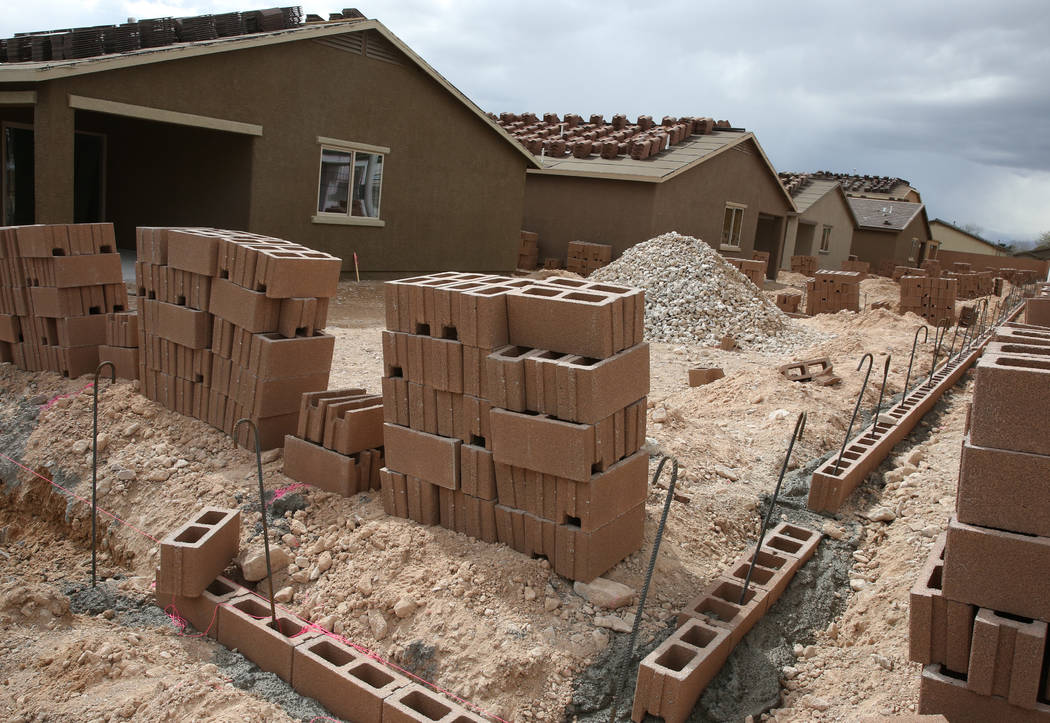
882, 390
94, 458
856, 408
262, 510
914, 343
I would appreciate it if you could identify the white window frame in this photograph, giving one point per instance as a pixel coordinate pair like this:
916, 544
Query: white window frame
731, 206
825, 236
351, 147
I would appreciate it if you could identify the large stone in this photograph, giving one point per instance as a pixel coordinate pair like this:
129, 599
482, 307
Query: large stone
253, 562
604, 593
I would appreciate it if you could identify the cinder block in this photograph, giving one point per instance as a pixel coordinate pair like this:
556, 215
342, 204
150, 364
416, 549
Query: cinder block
988, 476
1011, 403
418, 454
345, 682
1037, 311
195, 250
543, 444
125, 360
505, 377
197, 553
770, 572
720, 605
414, 703
202, 611
322, 468
184, 326
584, 556
1004, 571
245, 624
672, 677
274, 356
394, 488
792, 541
704, 375
311, 411
423, 501
477, 472
356, 429
250, 310
583, 322
944, 692
395, 401
297, 272
1007, 657
72, 271
10, 329
940, 629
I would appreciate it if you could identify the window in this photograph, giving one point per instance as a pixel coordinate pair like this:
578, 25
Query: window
825, 240
734, 219
350, 183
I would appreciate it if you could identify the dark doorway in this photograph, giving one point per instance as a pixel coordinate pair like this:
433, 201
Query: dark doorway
19, 201
767, 238
89, 177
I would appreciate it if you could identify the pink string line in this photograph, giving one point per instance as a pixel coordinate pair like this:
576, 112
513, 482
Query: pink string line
282, 491
180, 623
51, 402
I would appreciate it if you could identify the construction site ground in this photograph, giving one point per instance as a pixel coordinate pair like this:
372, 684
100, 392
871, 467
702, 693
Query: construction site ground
498, 629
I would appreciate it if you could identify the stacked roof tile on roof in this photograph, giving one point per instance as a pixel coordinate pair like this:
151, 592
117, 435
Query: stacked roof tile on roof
556, 137
852, 184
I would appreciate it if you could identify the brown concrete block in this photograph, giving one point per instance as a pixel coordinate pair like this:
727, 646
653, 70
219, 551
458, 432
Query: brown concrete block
590, 390
356, 426
197, 553
543, 444
274, 356
298, 272
568, 321
345, 682
427, 456
477, 472
245, 624
720, 605
987, 476
771, 572
79, 301
125, 360
71, 271
184, 326
1007, 657
250, 310
944, 692
423, 501
792, 541
193, 250
443, 365
394, 488
704, 375
1005, 571
475, 370
414, 703
272, 430
672, 677
584, 556
201, 611
1011, 403
1037, 311
395, 401
505, 377
311, 411
10, 329
322, 468
927, 616
75, 361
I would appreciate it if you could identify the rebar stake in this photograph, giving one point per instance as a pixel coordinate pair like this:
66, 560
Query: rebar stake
262, 510
941, 333
882, 390
914, 342
856, 407
800, 427
94, 460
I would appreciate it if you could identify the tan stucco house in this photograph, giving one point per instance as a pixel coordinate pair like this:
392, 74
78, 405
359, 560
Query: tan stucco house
950, 237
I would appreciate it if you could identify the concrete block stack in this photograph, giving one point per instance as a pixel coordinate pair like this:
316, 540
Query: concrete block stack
831, 291
789, 301
971, 285
515, 411
584, 257
1019, 277
528, 250
932, 299
753, 269
57, 284
231, 325
122, 344
932, 267
861, 267
338, 446
1037, 308
902, 271
980, 609
804, 265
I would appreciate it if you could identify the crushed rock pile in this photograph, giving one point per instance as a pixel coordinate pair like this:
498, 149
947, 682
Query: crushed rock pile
694, 296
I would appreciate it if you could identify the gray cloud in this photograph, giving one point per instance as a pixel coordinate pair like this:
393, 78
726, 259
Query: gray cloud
950, 95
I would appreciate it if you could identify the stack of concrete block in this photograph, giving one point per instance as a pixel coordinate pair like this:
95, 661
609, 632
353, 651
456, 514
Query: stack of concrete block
583, 257
973, 285
789, 301
931, 298
122, 344
551, 263
57, 284
831, 291
980, 609
854, 264
528, 250
672, 677
1037, 308
338, 446
231, 326
514, 412
753, 269
762, 256
901, 271
804, 265
932, 267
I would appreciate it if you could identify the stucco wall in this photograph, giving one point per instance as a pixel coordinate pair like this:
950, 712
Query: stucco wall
830, 210
952, 240
877, 246
452, 190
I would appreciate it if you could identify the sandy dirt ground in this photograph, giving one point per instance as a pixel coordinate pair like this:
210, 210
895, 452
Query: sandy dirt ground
500, 630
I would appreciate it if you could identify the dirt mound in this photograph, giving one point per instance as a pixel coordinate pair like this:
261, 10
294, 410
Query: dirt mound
694, 296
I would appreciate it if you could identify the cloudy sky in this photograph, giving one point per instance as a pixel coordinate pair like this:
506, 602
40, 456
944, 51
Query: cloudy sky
952, 96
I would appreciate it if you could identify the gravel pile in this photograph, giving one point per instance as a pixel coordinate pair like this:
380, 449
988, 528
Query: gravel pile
693, 296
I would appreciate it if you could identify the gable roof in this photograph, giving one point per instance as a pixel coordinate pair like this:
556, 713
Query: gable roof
40, 71
879, 215
974, 236
879, 187
812, 192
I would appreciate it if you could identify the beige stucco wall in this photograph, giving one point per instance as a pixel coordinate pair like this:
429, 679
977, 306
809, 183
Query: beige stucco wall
952, 240
452, 190
830, 210
877, 246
